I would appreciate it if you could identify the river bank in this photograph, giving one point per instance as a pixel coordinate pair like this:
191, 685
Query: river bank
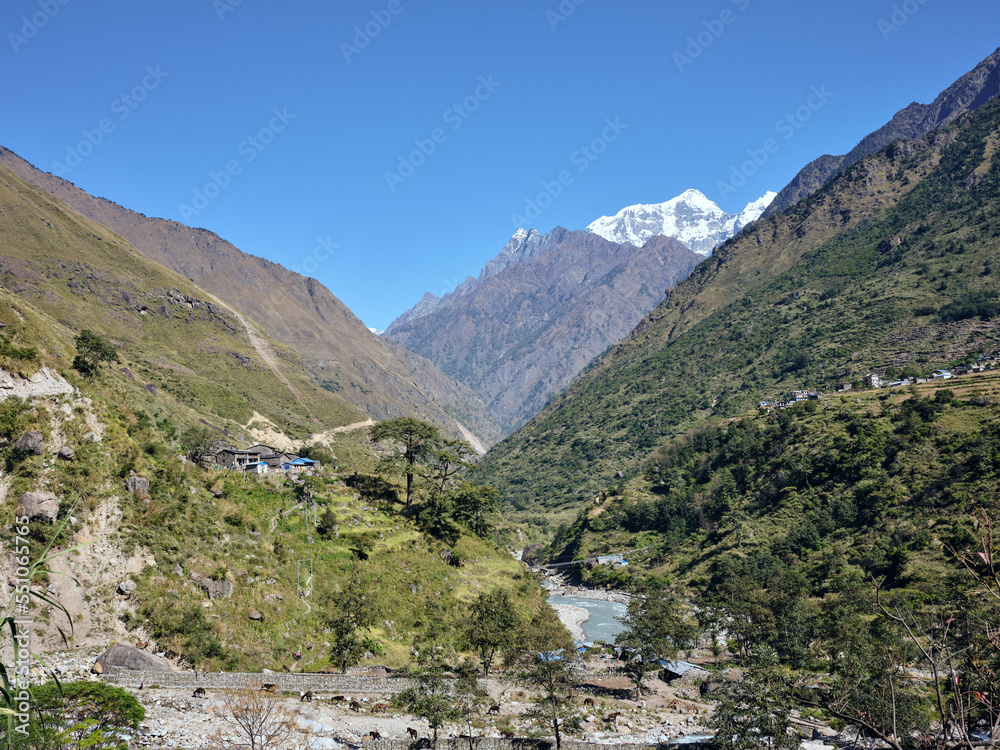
572, 618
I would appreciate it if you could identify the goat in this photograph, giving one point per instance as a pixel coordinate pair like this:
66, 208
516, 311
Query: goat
588, 701
378, 708
611, 718
374, 735
306, 696
141, 645
199, 693
412, 732
339, 699
494, 710
269, 687
355, 706
505, 733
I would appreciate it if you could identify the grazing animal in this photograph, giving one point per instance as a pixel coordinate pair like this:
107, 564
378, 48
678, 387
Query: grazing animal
507, 734
494, 710
339, 699
378, 708
141, 644
355, 706
306, 696
142, 684
269, 687
412, 732
199, 693
374, 735
588, 701
610, 718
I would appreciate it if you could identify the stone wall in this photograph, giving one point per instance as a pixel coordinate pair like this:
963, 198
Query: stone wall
491, 743
327, 683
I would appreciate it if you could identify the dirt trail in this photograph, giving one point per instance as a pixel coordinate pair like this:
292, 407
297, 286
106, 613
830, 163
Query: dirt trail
274, 519
267, 354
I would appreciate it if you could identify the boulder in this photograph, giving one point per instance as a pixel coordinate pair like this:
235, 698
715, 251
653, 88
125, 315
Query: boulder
126, 587
66, 453
529, 552
38, 506
214, 589
120, 655
255, 615
31, 442
138, 486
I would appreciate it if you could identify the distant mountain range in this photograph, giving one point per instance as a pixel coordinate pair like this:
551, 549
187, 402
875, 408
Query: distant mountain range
967, 94
690, 218
540, 312
546, 304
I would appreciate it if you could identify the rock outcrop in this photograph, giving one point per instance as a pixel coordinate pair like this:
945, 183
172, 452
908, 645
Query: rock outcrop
120, 655
31, 442
214, 589
138, 486
42, 383
38, 506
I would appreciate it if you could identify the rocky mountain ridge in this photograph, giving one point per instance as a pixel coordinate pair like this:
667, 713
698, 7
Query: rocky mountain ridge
690, 218
967, 94
888, 268
531, 324
327, 339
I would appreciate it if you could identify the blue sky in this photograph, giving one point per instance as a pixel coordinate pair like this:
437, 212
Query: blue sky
388, 147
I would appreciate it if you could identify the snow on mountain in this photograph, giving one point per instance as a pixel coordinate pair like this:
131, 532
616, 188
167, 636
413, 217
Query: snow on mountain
690, 218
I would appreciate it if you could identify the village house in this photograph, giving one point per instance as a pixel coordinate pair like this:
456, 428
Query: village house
262, 460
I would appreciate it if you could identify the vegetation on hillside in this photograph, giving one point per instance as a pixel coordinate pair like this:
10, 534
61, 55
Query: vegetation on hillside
890, 268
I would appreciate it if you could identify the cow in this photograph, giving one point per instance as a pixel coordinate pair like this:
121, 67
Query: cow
378, 708
306, 696
199, 693
494, 710
412, 732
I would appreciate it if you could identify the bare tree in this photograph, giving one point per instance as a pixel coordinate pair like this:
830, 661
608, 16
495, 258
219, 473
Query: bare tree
261, 720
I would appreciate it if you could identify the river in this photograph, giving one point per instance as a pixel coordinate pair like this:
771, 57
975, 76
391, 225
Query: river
601, 625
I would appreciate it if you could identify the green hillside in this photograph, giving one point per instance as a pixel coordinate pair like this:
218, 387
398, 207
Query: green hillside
839, 491
890, 268
62, 273
192, 371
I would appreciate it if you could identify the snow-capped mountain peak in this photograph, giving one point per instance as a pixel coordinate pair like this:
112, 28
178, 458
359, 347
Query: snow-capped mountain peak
691, 218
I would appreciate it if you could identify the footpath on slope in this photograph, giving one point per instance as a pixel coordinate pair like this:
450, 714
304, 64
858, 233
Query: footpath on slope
263, 348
